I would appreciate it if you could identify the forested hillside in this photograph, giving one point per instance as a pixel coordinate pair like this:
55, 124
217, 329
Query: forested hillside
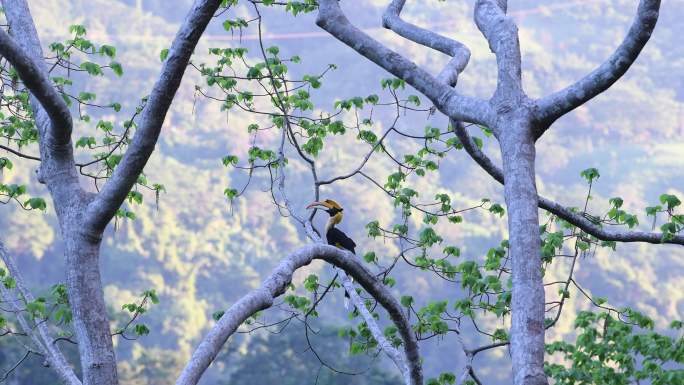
201, 251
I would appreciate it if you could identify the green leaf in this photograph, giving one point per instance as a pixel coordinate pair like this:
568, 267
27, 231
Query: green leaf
497, 209
370, 257
406, 300
229, 160
373, 229
452, 251
447, 378
108, 50
135, 196
218, 314
5, 163
116, 68
616, 202
311, 283
163, 54
230, 193
428, 237
36, 203
116, 106
152, 295
93, 69
414, 99
9, 283
670, 200
77, 29
86, 141
455, 219
389, 281
141, 330
273, 50
478, 142
590, 174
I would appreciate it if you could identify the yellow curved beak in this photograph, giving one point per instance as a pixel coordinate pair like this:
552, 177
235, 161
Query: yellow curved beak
319, 204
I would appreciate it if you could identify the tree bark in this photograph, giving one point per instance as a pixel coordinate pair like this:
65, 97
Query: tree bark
86, 298
57, 171
527, 305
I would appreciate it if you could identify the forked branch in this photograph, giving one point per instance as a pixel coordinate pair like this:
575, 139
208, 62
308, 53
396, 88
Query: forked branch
445, 98
459, 53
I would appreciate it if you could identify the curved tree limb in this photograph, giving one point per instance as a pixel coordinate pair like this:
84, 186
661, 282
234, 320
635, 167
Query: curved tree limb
502, 35
555, 208
459, 53
560, 103
114, 192
42, 339
52, 117
40, 86
275, 285
445, 98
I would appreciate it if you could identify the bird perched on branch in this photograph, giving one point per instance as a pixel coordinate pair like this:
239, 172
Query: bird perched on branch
333, 235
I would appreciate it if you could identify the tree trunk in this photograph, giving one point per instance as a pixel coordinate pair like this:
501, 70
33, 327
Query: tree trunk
527, 308
86, 297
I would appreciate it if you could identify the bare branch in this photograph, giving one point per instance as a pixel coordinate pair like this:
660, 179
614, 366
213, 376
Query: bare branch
502, 35
397, 358
459, 53
562, 212
19, 154
445, 98
103, 208
276, 284
44, 340
560, 103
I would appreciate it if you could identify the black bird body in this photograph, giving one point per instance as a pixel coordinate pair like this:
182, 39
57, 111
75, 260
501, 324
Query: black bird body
333, 235
338, 238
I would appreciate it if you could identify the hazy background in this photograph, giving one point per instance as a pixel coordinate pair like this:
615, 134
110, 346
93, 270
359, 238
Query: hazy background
201, 255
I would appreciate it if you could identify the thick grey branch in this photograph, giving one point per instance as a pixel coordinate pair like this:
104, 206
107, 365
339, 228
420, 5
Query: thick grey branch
275, 285
459, 53
555, 208
445, 98
51, 114
43, 340
560, 103
36, 80
502, 35
103, 208
58, 171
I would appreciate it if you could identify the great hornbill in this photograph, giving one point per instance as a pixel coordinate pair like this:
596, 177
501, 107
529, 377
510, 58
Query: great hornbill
333, 235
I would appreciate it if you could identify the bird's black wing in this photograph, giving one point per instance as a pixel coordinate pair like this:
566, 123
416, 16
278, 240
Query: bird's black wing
337, 238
